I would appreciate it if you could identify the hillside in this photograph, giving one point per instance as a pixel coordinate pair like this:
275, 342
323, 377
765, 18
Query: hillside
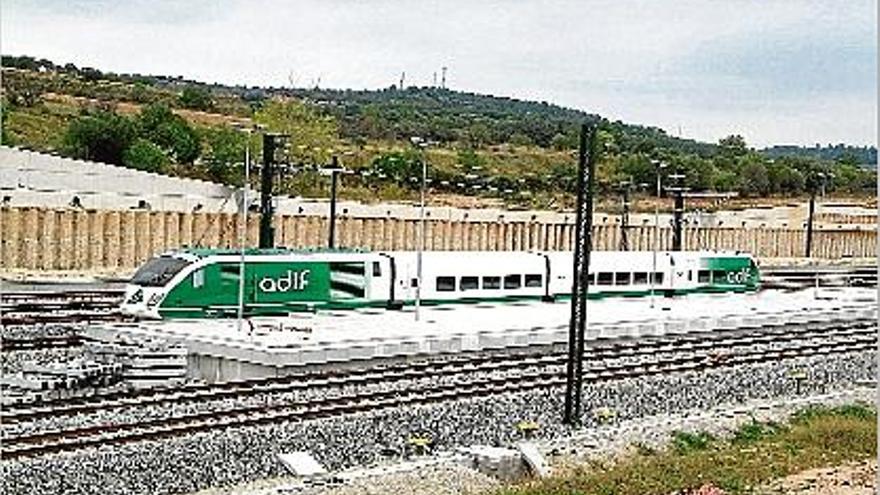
490, 148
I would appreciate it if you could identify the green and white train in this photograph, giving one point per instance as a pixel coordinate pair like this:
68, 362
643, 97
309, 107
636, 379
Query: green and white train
201, 283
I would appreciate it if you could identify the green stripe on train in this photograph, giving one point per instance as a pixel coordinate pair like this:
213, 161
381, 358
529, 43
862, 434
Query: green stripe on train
283, 308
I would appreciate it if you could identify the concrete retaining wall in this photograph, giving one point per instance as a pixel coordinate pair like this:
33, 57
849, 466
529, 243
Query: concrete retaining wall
76, 239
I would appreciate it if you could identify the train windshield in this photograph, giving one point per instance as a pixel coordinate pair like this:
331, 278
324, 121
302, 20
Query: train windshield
158, 271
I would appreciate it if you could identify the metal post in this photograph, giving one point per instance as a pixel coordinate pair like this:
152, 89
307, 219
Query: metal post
421, 236
331, 240
812, 208
580, 277
242, 233
624, 220
267, 234
659, 167
677, 214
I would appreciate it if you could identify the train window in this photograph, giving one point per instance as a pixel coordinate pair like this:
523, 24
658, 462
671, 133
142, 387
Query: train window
605, 278
413, 282
198, 278
158, 271
445, 284
377, 269
512, 281
704, 277
621, 278
353, 268
229, 272
719, 276
534, 280
469, 283
491, 282
591, 279
690, 275
640, 278
658, 278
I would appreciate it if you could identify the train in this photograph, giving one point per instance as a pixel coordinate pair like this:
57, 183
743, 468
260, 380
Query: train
204, 283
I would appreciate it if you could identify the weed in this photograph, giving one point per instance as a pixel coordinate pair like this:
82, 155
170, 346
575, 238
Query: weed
684, 442
754, 431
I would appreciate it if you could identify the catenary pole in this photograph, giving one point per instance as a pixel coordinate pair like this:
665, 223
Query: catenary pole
580, 276
242, 233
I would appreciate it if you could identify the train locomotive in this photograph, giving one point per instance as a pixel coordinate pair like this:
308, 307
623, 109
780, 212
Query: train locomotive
204, 283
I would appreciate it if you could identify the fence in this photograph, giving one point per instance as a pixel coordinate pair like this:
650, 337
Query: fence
75, 239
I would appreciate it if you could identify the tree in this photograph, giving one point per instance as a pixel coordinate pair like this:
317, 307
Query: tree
145, 155
6, 138
225, 151
520, 139
783, 178
100, 136
732, 147
563, 177
478, 134
312, 136
753, 179
401, 167
196, 98
470, 160
170, 132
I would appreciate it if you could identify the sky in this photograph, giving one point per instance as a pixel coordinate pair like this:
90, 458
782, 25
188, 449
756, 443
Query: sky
774, 71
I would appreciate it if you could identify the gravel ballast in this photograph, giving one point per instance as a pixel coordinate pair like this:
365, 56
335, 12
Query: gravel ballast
240, 455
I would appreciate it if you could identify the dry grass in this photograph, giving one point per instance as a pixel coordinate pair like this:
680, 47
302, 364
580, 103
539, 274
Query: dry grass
756, 454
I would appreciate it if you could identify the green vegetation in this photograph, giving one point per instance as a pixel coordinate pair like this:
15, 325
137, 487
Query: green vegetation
150, 141
756, 454
518, 152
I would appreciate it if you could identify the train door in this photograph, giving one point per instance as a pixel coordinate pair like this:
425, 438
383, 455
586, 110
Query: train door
407, 276
380, 276
682, 272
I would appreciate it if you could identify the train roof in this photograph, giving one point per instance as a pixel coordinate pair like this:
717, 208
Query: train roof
200, 253
208, 252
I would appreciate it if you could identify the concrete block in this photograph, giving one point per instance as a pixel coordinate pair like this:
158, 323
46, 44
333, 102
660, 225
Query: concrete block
534, 459
301, 463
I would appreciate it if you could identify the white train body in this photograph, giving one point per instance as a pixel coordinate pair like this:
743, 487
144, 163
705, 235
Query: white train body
205, 283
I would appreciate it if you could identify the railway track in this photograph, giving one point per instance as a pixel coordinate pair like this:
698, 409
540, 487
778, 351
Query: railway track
796, 277
518, 375
59, 342
32, 307
621, 347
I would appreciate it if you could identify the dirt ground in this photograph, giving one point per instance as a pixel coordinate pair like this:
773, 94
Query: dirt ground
856, 478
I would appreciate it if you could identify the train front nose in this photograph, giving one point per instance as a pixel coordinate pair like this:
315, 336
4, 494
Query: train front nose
139, 302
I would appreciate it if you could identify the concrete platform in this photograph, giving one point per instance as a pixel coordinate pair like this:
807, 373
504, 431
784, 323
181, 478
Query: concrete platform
279, 346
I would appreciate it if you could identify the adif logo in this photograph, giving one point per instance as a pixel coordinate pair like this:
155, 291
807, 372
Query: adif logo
295, 281
739, 277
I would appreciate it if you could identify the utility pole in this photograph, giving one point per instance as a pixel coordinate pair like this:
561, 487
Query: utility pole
443, 80
810, 212
580, 276
658, 166
334, 172
420, 144
267, 172
677, 211
242, 232
625, 187
267, 180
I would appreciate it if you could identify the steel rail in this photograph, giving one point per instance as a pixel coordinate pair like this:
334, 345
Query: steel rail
467, 387
615, 349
